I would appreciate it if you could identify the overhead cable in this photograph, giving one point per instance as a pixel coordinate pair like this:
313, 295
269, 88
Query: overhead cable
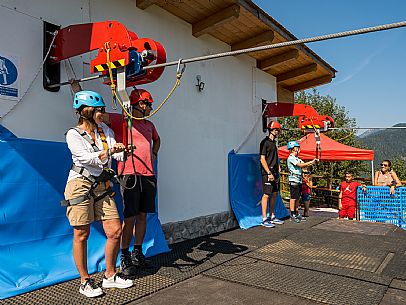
377, 28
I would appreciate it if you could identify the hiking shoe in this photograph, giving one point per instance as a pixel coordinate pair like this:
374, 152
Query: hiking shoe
294, 218
126, 265
276, 221
301, 218
118, 280
90, 289
267, 223
138, 259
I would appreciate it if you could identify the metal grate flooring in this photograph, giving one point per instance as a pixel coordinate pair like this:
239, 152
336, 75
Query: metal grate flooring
314, 261
309, 284
187, 259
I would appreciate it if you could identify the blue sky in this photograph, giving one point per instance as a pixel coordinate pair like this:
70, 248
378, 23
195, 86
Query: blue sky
371, 67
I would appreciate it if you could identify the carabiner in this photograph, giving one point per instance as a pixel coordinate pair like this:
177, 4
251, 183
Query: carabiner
178, 70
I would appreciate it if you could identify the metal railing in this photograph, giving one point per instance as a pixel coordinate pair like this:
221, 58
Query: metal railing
378, 205
323, 193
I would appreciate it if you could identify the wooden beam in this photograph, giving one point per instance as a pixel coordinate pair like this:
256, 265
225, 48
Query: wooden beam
214, 21
268, 63
296, 72
256, 11
310, 83
259, 40
282, 94
143, 4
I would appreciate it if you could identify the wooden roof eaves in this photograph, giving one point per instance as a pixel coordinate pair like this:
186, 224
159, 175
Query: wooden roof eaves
277, 27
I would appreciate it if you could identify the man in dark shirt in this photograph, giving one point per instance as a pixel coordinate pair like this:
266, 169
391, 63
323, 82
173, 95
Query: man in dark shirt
270, 174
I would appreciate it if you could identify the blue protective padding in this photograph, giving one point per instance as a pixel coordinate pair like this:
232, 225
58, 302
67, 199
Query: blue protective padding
35, 235
245, 190
5, 133
378, 205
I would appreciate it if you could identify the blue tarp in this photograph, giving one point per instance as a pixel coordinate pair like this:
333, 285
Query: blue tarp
245, 188
35, 236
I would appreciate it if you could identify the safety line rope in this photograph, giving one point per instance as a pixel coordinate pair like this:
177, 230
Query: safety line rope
317, 136
177, 83
286, 43
112, 84
252, 129
35, 77
23, 13
179, 74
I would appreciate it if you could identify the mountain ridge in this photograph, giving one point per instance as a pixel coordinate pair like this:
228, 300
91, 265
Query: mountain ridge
387, 143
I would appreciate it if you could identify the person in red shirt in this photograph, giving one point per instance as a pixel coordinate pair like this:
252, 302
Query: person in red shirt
139, 180
307, 185
347, 200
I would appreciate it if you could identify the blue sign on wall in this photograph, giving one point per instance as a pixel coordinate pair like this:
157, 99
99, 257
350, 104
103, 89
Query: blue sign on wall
8, 77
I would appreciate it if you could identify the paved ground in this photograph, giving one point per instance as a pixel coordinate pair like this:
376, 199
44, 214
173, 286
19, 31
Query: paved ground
322, 260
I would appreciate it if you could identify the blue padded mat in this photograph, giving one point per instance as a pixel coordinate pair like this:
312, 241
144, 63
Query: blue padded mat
35, 235
245, 190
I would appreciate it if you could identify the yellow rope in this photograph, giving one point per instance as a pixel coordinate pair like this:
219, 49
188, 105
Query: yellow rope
345, 137
112, 84
114, 91
318, 146
177, 83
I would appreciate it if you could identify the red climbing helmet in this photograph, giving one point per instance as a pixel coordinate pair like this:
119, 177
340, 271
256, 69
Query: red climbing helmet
138, 95
274, 125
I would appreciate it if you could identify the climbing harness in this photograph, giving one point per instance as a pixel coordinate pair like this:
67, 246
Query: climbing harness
105, 177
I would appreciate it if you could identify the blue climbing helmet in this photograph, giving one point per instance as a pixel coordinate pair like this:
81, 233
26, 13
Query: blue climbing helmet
292, 144
88, 98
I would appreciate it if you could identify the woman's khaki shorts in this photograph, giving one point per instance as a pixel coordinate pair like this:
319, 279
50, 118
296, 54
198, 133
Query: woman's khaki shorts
88, 211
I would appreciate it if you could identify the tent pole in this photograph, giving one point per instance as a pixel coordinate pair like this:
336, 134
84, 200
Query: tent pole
372, 172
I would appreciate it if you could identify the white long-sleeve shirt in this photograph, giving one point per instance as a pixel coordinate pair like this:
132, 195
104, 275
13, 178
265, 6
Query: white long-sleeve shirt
83, 154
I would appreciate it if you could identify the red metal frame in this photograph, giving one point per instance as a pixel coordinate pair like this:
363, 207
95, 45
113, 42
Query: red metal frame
308, 116
82, 38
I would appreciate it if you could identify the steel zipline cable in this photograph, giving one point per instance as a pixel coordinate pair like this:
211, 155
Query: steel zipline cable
362, 128
377, 28
353, 128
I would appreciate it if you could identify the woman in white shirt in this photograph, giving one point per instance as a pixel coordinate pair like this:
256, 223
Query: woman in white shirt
88, 195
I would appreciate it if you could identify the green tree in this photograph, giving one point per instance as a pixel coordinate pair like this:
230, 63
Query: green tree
399, 166
327, 105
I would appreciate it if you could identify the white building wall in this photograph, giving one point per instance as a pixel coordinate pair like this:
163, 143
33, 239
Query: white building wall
197, 129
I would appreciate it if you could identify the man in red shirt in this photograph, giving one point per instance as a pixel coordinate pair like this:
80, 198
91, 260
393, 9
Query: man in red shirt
140, 181
347, 200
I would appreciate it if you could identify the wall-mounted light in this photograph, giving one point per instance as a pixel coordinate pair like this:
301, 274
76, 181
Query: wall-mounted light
200, 84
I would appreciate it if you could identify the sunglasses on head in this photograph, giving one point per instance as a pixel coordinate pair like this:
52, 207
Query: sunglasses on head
147, 103
100, 109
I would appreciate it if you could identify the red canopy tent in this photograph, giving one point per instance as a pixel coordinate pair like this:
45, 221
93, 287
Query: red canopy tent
330, 150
